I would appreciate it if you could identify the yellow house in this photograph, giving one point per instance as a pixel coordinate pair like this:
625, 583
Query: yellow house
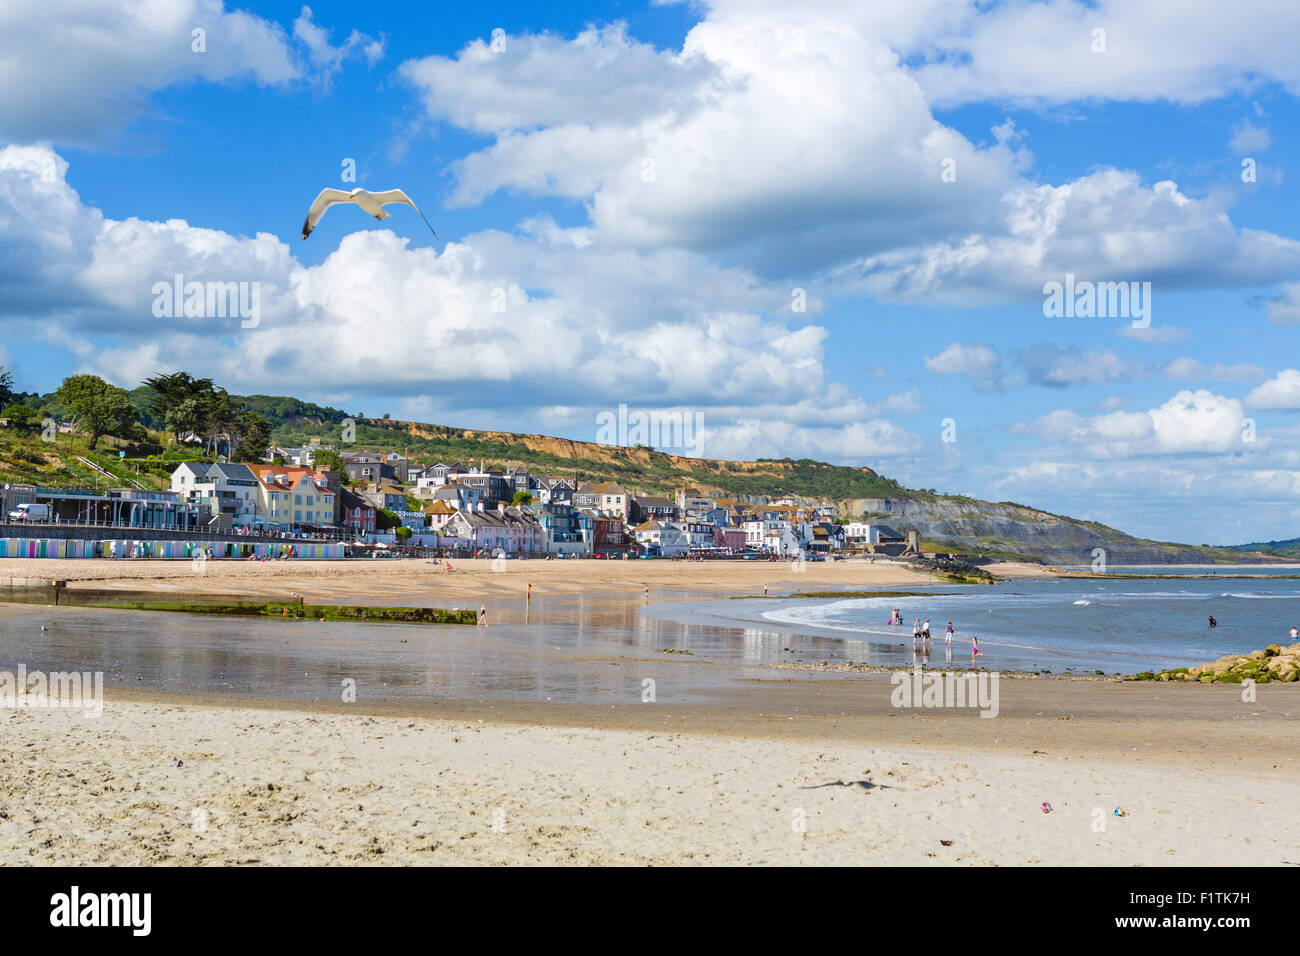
290, 494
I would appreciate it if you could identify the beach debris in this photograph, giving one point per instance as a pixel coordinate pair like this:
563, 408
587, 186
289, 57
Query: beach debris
177, 762
946, 842
1047, 807
1120, 812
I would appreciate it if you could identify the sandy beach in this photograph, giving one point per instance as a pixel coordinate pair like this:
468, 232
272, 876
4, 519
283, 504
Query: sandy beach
772, 771
428, 582
270, 786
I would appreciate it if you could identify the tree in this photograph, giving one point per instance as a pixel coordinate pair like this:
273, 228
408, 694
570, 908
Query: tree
385, 519
403, 532
254, 435
327, 459
522, 498
22, 416
170, 392
185, 417
95, 405
6, 386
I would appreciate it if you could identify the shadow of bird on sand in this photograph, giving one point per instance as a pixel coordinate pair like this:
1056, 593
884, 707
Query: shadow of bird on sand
860, 784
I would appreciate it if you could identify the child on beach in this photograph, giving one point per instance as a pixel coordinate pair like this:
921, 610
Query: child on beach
974, 648
916, 630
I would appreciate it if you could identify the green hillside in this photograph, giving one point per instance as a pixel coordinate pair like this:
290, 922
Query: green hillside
1289, 548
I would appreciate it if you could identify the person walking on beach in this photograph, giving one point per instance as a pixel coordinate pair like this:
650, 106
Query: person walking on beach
764, 590
482, 615
974, 648
925, 630
916, 632
947, 635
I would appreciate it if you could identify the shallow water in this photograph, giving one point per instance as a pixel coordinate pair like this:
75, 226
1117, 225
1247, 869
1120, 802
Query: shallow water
602, 650
1086, 624
563, 649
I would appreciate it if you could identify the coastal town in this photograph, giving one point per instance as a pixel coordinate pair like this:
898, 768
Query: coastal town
386, 500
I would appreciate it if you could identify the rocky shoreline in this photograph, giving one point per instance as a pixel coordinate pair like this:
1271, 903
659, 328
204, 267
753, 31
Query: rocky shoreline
1273, 664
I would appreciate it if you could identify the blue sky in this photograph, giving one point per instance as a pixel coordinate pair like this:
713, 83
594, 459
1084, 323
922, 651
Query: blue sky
631, 198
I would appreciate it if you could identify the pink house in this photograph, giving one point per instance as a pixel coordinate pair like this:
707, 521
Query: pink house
733, 538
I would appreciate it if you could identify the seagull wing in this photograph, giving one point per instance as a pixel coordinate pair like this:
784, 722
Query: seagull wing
327, 198
388, 197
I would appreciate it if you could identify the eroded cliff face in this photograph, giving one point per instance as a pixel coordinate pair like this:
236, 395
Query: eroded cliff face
969, 524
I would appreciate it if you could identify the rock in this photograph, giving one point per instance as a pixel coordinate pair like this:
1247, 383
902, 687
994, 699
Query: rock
1273, 650
1257, 655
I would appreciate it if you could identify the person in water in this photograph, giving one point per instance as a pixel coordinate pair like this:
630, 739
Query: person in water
947, 635
1213, 622
916, 631
1294, 633
925, 629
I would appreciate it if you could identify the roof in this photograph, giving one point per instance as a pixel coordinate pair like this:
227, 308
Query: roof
510, 517
288, 477
209, 471
351, 499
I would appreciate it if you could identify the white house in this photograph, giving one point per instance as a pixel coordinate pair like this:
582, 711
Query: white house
229, 490
858, 533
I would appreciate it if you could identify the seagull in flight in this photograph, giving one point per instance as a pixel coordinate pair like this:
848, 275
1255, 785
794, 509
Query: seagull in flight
372, 203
